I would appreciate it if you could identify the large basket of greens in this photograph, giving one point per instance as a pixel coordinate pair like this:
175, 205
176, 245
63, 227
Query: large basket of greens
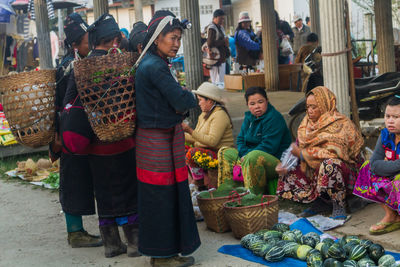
211, 204
106, 88
28, 101
250, 213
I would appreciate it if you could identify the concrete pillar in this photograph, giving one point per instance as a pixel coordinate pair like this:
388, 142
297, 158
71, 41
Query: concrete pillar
43, 34
314, 16
192, 50
138, 10
384, 35
334, 59
100, 7
270, 50
61, 36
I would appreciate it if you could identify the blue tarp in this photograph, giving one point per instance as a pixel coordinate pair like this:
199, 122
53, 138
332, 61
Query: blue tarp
303, 225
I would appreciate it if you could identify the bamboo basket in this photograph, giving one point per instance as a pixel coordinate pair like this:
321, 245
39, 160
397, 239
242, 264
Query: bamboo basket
28, 102
106, 88
213, 212
250, 219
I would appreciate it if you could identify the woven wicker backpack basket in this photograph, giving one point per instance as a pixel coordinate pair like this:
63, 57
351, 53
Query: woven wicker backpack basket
106, 88
28, 102
250, 219
212, 210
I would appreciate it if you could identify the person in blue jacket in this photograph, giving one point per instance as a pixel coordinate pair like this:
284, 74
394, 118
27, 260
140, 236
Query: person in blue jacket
263, 138
248, 46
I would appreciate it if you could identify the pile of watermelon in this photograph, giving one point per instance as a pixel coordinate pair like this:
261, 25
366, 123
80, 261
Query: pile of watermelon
349, 251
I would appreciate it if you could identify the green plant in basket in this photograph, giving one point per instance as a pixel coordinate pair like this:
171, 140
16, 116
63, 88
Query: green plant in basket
225, 189
248, 200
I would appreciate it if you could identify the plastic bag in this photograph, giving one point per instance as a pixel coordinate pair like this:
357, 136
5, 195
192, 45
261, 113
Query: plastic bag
288, 160
286, 48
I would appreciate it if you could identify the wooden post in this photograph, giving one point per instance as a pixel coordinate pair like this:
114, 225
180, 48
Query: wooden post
270, 50
138, 10
314, 17
354, 106
192, 50
384, 35
100, 7
43, 34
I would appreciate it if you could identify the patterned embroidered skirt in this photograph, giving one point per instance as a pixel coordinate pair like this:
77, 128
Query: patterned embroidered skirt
167, 223
376, 188
334, 177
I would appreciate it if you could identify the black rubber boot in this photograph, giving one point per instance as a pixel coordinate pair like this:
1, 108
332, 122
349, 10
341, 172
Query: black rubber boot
82, 239
131, 232
113, 245
176, 261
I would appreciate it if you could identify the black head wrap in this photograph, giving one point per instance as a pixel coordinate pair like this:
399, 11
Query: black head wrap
74, 28
104, 27
137, 35
158, 16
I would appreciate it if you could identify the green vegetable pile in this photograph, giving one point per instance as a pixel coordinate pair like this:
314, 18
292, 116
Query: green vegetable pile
53, 180
349, 251
224, 190
247, 200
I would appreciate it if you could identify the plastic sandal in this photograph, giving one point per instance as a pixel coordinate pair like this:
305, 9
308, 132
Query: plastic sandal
388, 227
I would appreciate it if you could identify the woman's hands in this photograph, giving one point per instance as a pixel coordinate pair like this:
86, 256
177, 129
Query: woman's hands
295, 150
280, 170
186, 128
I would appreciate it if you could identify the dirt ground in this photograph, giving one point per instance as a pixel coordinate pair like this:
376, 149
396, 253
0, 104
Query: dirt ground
32, 233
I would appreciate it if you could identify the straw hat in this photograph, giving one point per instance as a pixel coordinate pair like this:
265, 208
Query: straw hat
210, 91
244, 16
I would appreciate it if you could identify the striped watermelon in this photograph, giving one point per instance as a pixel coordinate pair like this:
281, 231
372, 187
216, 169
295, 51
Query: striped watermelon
358, 252
366, 243
349, 263
365, 262
328, 240
324, 250
281, 227
308, 240
330, 262
376, 251
248, 239
319, 246
352, 238
262, 249
274, 254
289, 236
298, 234
314, 258
349, 246
272, 234
281, 243
290, 249
315, 236
272, 241
337, 252
386, 261
302, 252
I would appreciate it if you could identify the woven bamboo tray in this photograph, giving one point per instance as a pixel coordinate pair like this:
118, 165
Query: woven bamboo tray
250, 219
212, 210
28, 102
106, 88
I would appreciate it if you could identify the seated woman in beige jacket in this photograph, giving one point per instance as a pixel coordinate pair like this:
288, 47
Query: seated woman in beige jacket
213, 129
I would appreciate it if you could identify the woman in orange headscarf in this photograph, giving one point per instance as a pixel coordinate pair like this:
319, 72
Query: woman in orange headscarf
328, 147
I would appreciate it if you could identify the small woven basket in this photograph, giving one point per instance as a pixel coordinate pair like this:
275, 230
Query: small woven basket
250, 219
213, 212
28, 102
106, 88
